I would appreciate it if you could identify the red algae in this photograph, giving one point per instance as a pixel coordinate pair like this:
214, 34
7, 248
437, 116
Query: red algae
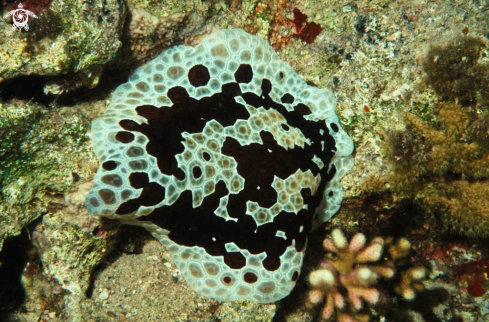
35, 6
307, 31
474, 273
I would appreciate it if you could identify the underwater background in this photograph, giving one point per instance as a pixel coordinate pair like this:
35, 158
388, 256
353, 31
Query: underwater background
411, 79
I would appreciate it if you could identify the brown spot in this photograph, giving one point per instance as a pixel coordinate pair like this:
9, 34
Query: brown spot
197, 172
250, 278
112, 179
235, 260
134, 151
295, 276
198, 75
124, 137
107, 196
142, 86
244, 73
93, 202
109, 165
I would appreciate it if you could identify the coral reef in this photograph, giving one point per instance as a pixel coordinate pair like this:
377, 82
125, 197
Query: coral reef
149, 29
370, 52
346, 281
455, 70
40, 157
461, 205
278, 21
74, 38
68, 264
473, 276
419, 149
444, 165
35, 6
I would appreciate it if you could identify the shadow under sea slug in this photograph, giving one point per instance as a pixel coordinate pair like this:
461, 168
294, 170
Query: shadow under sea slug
228, 158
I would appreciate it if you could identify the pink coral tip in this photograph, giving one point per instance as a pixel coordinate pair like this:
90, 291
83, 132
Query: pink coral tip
328, 308
357, 242
315, 297
355, 299
364, 276
385, 271
408, 294
417, 273
370, 295
329, 246
339, 300
346, 318
371, 253
322, 278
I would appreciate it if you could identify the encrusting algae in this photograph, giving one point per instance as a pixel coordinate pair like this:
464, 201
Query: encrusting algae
444, 166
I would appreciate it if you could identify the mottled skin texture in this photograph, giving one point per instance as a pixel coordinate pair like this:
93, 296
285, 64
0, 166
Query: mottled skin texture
226, 163
198, 226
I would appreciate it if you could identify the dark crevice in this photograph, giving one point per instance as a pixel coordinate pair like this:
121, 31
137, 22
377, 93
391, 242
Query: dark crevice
13, 259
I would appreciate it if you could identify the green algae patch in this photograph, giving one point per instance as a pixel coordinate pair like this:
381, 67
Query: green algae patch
455, 70
69, 38
68, 253
43, 152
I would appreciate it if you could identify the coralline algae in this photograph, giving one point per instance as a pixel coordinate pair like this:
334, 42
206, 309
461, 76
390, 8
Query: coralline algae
228, 158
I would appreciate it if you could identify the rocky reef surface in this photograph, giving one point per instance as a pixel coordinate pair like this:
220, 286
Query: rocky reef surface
412, 83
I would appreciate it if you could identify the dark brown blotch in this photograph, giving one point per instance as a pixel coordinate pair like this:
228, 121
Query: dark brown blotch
198, 75
109, 165
244, 73
250, 278
287, 98
295, 276
138, 179
235, 260
197, 172
124, 137
178, 95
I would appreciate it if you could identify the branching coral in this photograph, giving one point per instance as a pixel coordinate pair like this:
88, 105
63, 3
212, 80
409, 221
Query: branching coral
451, 146
444, 166
347, 281
463, 207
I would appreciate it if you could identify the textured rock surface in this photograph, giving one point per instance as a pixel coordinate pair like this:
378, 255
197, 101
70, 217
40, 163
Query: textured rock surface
152, 27
36, 161
74, 38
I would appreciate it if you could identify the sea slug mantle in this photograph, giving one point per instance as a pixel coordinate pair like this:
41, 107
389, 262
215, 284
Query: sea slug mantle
228, 158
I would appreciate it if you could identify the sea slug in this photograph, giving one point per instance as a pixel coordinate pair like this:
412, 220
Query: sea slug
227, 157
